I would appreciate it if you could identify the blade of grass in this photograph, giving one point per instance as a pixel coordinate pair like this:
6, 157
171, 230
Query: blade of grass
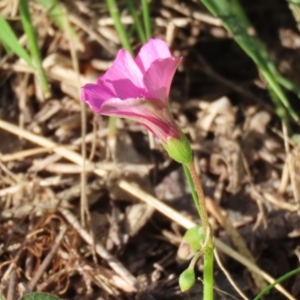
279, 280
288, 85
294, 6
115, 14
10, 41
33, 46
237, 23
137, 22
146, 17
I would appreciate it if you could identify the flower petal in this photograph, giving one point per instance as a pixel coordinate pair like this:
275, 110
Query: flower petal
95, 95
159, 76
154, 49
123, 79
154, 115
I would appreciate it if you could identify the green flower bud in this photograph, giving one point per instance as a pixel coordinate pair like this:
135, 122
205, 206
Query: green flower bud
187, 279
191, 243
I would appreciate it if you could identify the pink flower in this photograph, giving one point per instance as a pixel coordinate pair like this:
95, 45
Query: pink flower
138, 89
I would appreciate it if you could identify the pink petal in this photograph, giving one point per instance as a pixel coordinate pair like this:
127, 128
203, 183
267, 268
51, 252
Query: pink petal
159, 76
95, 95
124, 79
154, 49
154, 115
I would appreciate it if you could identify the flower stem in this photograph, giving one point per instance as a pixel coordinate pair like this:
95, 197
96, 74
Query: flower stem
192, 188
208, 274
208, 245
201, 199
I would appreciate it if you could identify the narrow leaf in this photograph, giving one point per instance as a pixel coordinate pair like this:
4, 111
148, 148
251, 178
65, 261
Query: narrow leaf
10, 40
33, 45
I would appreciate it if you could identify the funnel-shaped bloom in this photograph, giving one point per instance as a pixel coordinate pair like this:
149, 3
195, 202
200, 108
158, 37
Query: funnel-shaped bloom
138, 89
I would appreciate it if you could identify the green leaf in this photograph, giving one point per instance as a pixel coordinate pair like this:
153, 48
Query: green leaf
33, 46
10, 40
40, 296
187, 279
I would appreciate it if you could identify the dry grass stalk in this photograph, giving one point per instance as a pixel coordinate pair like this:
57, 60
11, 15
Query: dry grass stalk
218, 260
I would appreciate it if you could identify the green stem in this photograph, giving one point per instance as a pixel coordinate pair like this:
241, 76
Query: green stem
208, 274
112, 127
199, 199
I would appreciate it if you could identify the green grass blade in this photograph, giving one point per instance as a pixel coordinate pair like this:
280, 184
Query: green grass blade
114, 13
288, 85
10, 41
146, 17
236, 22
294, 6
137, 22
33, 46
279, 280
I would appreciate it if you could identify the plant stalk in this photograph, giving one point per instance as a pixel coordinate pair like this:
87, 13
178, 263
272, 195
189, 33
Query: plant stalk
208, 245
208, 274
201, 199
